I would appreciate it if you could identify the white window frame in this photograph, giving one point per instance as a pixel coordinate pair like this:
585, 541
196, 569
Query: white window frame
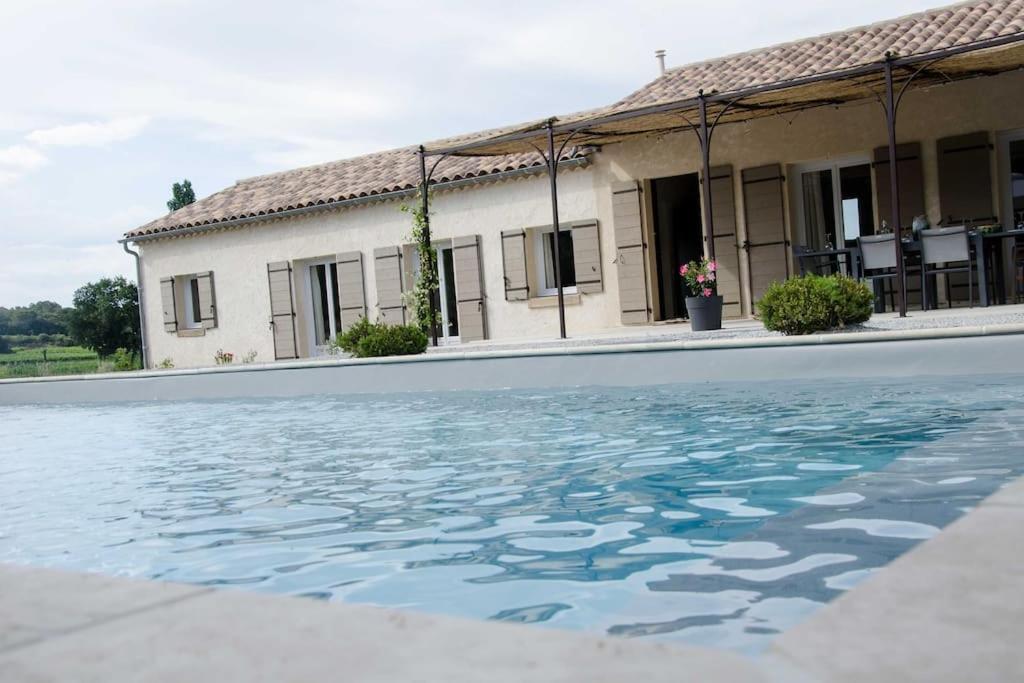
189, 303
540, 265
797, 198
316, 349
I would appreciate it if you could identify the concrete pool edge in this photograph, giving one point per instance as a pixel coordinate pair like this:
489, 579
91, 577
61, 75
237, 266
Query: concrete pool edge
947, 610
961, 351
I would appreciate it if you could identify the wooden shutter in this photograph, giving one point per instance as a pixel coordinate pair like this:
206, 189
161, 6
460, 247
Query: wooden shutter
586, 256
727, 249
908, 156
634, 307
282, 310
207, 302
168, 303
351, 288
965, 179
469, 293
513, 260
766, 244
387, 268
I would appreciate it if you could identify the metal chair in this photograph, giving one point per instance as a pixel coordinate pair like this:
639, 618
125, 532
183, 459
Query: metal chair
878, 262
939, 248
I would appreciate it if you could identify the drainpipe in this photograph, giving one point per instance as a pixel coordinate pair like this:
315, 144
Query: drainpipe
142, 316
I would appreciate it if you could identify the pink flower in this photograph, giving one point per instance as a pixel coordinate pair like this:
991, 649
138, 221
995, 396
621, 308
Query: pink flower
712, 266
707, 292
711, 277
700, 278
684, 269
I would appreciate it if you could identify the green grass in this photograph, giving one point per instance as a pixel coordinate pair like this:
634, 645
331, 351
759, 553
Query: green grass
60, 360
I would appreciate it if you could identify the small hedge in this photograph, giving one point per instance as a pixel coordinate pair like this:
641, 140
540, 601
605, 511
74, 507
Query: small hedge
372, 340
812, 303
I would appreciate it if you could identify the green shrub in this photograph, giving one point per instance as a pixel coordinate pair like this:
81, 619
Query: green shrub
391, 340
812, 303
123, 359
348, 341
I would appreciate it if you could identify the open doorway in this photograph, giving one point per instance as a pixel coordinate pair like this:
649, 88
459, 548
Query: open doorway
678, 238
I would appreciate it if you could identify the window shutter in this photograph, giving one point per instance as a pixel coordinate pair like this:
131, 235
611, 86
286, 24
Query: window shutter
727, 250
387, 268
908, 156
207, 302
168, 304
469, 292
586, 256
965, 179
629, 253
766, 244
513, 261
282, 310
351, 288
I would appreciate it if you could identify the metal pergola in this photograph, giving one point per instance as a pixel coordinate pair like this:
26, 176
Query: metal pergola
886, 81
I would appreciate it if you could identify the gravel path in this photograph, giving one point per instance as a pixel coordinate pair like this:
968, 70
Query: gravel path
916, 320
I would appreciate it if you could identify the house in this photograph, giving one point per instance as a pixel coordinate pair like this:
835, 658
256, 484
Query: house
798, 155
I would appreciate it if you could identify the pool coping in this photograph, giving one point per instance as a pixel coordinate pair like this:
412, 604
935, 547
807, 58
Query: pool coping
823, 339
950, 609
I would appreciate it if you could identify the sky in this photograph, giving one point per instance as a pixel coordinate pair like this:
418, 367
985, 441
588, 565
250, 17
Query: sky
105, 104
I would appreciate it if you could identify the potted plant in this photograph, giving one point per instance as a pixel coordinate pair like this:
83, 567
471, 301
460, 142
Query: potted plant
700, 286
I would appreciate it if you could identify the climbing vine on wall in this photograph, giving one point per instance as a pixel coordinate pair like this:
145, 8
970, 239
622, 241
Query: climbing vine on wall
418, 300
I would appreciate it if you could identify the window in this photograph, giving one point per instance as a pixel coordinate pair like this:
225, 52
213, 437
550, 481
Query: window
544, 248
1016, 190
190, 290
834, 202
324, 298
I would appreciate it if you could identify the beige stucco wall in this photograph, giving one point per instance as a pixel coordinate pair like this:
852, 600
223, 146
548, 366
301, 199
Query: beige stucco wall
239, 256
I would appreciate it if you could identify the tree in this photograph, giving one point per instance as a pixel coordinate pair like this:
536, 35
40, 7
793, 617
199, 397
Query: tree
42, 317
106, 316
182, 195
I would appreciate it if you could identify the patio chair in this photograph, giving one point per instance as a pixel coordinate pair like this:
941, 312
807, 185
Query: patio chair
941, 247
878, 262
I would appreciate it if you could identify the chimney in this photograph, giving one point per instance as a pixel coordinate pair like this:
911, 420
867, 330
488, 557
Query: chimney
660, 56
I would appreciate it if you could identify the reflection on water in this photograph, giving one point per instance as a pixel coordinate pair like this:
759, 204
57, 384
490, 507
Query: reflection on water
715, 516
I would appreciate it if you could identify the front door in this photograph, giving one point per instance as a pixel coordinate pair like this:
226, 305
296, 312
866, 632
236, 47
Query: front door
323, 306
678, 238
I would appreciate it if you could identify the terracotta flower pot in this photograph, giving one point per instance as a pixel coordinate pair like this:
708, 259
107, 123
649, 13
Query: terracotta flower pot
705, 312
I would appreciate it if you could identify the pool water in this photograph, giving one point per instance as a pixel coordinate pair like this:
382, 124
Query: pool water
714, 515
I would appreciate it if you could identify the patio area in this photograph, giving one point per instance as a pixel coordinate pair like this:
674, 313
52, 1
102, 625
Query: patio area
916, 321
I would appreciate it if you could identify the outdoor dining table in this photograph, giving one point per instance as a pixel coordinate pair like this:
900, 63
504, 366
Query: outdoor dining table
984, 242
848, 256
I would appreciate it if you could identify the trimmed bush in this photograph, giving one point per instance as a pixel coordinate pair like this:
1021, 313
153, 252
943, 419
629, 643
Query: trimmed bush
391, 340
348, 341
812, 303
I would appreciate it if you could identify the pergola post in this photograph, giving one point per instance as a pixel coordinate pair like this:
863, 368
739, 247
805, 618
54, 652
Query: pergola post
894, 185
705, 154
425, 208
553, 176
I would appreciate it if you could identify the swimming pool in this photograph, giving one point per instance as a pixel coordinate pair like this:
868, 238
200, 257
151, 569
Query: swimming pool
709, 515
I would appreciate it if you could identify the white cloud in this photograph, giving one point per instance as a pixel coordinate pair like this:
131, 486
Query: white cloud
90, 134
17, 160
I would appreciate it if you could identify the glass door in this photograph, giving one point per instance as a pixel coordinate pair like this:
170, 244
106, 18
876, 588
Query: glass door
834, 204
324, 306
449, 331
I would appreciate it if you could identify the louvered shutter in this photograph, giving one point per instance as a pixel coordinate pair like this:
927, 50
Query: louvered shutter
965, 179
387, 268
168, 304
207, 301
469, 293
351, 288
513, 260
629, 257
586, 256
282, 310
911, 176
766, 244
727, 248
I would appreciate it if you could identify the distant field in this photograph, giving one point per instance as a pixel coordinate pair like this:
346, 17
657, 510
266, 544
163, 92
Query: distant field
53, 360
